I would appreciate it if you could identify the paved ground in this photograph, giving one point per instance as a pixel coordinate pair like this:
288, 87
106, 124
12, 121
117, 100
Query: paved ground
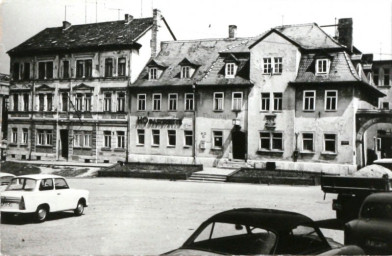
136, 216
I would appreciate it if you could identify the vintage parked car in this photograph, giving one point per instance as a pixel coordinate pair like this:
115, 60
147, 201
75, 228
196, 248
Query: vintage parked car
41, 194
250, 231
372, 231
5, 179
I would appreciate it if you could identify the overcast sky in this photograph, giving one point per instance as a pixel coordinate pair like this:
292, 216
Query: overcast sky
193, 19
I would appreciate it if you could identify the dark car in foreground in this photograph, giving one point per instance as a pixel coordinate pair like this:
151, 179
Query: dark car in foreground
250, 231
372, 231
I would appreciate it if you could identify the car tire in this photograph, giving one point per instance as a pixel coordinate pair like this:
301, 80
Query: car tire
79, 208
41, 214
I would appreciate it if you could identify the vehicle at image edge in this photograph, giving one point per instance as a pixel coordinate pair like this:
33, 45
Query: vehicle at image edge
250, 231
372, 231
5, 179
41, 194
352, 191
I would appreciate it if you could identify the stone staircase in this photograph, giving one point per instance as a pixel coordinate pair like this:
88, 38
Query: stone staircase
233, 164
211, 175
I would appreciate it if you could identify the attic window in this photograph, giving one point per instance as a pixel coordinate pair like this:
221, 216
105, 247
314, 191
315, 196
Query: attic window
230, 70
185, 72
322, 66
152, 74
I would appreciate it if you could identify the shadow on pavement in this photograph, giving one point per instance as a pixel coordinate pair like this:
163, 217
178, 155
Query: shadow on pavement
29, 218
331, 224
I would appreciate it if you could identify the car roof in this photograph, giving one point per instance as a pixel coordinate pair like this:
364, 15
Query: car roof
263, 218
4, 174
382, 197
40, 176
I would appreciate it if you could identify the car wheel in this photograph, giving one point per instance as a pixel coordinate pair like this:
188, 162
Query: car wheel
79, 208
41, 214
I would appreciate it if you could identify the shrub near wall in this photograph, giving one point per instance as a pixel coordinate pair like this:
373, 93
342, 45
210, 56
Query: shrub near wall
151, 171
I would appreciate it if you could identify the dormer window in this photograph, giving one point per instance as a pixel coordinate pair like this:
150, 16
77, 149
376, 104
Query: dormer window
185, 72
152, 74
322, 66
230, 70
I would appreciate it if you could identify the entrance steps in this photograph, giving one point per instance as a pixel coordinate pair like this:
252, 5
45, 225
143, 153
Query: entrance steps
211, 175
233, 164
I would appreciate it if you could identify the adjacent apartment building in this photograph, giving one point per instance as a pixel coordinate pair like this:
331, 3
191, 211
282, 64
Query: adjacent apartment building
68, 91
288, 98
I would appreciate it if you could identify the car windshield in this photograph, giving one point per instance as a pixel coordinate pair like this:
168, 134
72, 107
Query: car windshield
377, 210
22, 184
229, 238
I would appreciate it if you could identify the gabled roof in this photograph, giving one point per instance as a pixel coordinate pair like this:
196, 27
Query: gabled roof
155, 63
204, 53
186, 62
102, 34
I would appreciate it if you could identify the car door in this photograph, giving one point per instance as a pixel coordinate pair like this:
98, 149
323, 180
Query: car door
64, 194
47, 194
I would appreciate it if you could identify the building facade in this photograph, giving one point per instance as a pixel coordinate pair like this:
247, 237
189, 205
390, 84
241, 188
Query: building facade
4, 93
282, 98
68, 93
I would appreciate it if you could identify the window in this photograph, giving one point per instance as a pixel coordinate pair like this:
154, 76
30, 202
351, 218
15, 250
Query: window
15, 71
87, 102
375, 76
87, 139
84, 68
173, 98
188, 138
65, 69
230, 70
278, 101
156, 102
271, 141
385, 105
41, 99
121, 67
46, 184
25, 102
386, 76
185, 72
107, 139
49, 102
77, 139
322, 66
278, 65
108, 67
120, 139
141, 102
171, 137
64, 97
107, 102
60, 184
237, 101
26, 71
309, 100
25, 137
330, 143
14, 136
189, 102
79, 102
155, 137
121, 102
307, 142
152, 74
140, 137
267, 69
16, 102
45, 137
217, 139
265, 102
331, 100
45, 70
218, 101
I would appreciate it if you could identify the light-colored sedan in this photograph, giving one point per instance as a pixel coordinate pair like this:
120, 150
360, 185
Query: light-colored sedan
41, 194
5, 179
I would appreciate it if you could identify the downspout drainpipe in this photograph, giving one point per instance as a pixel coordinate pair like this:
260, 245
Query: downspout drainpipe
32, 107
194, 124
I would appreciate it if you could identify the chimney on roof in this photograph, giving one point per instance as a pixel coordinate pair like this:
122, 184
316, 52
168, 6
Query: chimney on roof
154, 44
232, 31
66, 24
128, 18
345, 33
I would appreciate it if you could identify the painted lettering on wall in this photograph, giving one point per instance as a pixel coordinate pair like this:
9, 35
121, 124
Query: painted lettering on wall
158, 121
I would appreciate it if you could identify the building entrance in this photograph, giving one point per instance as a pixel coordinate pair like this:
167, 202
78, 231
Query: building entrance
239, 144
64, 143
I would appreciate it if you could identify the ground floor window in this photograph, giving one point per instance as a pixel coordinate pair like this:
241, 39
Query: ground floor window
188, 138
14, 138
82, 139
25, 137
45, 137
271, 140
307, 142
171, 137
120, 139
140, 137
330, 143
107, 139
155, 137
217, 139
